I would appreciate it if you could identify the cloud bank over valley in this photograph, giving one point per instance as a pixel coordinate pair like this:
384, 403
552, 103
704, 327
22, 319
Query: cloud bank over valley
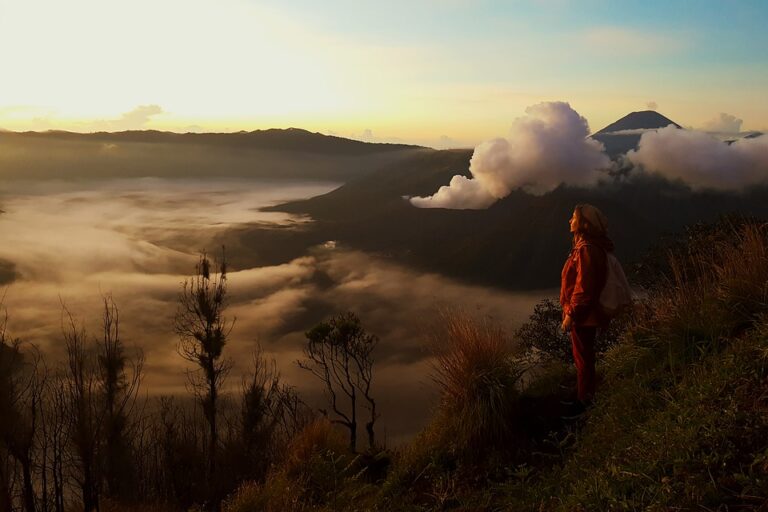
139, 239
702, 160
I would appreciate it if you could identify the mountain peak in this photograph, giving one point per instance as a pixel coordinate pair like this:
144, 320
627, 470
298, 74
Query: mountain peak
642, 120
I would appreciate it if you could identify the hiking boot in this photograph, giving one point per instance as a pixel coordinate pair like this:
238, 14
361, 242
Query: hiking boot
578, 410
575, 416
570, 398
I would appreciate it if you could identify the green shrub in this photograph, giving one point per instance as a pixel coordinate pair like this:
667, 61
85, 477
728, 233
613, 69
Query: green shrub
545, 341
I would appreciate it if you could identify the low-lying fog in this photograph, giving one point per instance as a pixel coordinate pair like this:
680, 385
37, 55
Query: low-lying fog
137, 239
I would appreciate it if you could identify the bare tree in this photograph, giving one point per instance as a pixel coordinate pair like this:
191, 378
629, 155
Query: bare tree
21, 386
260, 411
340, 353
181, 475
85, 413
6, 502
119, 379
203, 331
56, 422
296, 414
270, 413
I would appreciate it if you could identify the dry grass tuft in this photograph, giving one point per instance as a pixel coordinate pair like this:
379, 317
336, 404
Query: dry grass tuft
716, 289
309, 477
740, 272
318, 438
478, 374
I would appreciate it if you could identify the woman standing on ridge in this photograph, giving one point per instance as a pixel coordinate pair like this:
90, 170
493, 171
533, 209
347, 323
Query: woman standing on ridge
582, 280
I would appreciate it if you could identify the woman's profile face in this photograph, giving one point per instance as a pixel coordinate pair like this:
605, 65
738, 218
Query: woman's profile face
574, 222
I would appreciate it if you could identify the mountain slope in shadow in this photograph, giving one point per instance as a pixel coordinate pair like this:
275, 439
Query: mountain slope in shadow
520, 242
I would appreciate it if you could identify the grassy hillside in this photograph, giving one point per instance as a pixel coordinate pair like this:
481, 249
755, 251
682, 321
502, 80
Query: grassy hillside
680, 421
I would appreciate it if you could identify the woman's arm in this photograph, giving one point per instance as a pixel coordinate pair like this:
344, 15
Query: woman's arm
590, 265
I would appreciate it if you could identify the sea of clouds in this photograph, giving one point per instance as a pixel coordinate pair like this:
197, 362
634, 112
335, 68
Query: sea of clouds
72, 243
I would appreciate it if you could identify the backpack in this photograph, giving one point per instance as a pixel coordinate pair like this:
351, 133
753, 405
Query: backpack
616, 295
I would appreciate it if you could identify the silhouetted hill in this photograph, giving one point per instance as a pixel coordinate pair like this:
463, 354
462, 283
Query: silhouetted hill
269, 154
624, 134
291, 139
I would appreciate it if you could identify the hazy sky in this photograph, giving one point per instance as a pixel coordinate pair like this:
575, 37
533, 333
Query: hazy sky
439, 72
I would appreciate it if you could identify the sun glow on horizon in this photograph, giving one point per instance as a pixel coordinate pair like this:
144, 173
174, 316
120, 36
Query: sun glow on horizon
418, 71
191, 57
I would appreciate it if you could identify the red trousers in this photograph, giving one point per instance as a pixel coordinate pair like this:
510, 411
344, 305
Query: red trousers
583, 344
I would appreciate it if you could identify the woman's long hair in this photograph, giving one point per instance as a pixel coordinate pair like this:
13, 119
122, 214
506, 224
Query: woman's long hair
591, 224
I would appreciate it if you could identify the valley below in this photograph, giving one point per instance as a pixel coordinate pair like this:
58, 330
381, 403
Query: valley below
70, 243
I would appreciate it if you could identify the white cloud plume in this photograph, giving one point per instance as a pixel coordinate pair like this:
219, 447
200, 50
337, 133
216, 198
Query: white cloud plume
446, 142
702, 160
461, 193
652, 105
724, 123
547, 147
135, 119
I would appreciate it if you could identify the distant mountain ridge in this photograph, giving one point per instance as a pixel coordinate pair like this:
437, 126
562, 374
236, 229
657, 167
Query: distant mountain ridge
290, 139
264, 154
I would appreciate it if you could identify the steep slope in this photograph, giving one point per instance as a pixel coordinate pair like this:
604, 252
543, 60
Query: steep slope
643, 120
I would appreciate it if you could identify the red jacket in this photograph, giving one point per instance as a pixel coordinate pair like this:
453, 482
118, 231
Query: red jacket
582, 280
